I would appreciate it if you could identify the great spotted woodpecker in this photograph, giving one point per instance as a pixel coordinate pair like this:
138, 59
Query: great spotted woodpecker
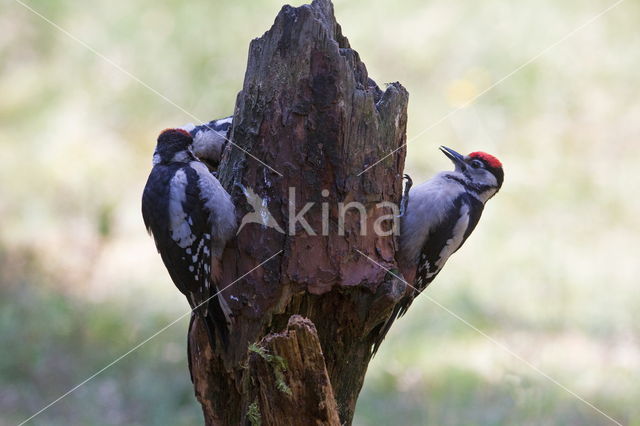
191, 218
438, 216
210, 140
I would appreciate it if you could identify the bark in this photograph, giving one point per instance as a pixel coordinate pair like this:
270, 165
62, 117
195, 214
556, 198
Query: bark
309, 111
291, 363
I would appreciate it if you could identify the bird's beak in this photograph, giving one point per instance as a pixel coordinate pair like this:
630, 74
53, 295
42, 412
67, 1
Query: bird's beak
457, 159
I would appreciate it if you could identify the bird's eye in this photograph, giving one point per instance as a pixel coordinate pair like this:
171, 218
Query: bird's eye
476, 164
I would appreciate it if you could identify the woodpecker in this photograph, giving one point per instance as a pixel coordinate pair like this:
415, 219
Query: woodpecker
437, 218
210, 140
191, 218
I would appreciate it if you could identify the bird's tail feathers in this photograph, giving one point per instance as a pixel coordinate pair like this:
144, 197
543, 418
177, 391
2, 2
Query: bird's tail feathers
190, 363
215, 319
399, 310
209, 325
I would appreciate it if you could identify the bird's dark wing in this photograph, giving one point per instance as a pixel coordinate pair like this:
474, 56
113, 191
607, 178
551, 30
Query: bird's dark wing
172, 212
176, 217
191, 238
447, 238
199, 216
439, 246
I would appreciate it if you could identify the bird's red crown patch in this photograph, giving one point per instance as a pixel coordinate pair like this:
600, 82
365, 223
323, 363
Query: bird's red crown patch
487, 158
184, 132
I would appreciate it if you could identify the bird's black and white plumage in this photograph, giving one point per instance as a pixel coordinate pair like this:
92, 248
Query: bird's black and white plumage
440, 215
191, 218
210, 140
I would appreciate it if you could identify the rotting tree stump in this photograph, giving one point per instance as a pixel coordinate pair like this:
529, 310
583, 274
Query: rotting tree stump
305, 321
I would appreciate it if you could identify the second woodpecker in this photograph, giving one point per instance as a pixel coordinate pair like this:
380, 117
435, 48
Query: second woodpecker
191, 218
440, 215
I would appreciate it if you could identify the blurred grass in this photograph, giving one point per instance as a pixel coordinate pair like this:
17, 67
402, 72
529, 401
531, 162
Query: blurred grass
551, 272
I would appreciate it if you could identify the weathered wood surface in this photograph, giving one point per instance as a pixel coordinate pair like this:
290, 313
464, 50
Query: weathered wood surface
291, 362
309, 110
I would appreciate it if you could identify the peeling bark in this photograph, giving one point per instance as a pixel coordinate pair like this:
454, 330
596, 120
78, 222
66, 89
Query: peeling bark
308, 110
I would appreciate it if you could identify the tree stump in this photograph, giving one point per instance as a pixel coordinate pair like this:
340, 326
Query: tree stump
304, 396
310, 112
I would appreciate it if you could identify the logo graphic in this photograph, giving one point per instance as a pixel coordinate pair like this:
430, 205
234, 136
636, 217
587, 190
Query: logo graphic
383, 225
260, 213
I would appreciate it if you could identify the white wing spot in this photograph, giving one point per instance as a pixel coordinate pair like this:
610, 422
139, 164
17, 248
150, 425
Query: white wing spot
179, 226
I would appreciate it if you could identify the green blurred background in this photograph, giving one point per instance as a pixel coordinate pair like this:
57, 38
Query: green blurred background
552, 271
